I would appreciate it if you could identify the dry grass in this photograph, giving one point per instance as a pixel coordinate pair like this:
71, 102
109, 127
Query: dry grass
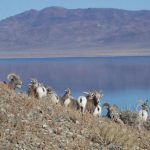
28, 123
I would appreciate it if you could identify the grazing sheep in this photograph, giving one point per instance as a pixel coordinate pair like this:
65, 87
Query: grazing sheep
52, 95
113, 113
92, 98
68, 101
14, 81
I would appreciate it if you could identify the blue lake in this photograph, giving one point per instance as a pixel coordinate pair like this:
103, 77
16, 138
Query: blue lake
124, 80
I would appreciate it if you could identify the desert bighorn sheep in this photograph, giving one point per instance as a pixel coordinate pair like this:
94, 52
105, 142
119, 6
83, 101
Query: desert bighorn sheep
90, 102
36, 89
97, 111
14, 81
143, 113
65, 97
68, 101
32, 87
113, 112
93, 102
54, 98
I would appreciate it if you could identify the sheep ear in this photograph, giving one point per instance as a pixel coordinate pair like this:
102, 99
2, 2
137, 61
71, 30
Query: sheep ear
140, 101
107, 105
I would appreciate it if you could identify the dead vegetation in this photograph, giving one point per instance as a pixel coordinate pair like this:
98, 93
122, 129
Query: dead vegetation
28, 123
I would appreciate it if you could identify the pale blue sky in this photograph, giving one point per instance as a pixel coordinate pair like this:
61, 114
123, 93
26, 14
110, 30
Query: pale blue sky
12, 7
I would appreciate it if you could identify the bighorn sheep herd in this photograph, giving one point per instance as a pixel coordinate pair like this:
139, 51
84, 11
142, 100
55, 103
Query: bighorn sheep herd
90, 102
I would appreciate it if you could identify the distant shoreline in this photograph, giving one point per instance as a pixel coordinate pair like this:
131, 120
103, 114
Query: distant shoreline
70, 56
94, 58
74, 53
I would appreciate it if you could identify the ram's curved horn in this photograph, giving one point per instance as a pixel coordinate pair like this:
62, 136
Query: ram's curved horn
107, 105
12, 75
87, 93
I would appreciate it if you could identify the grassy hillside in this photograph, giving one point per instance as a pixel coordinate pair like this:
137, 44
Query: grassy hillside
30, 124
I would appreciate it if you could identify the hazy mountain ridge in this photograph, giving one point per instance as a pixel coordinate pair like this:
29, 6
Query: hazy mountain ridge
57, 28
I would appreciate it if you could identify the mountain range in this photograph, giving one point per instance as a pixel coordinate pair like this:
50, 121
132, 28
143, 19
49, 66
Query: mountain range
57, 31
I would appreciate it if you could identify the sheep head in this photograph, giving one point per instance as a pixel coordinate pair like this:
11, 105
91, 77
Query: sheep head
90, 95
67, 93
14, 81
98, 95
50, 90
94, 95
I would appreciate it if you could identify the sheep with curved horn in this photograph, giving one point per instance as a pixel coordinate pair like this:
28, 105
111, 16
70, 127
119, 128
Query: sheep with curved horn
93, 101
14, 81
113, 113
90, 102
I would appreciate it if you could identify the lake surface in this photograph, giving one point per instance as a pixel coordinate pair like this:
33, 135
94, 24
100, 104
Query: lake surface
124, 80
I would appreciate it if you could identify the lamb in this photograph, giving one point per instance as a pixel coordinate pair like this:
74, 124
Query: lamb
14, 81
68, 101
113, 113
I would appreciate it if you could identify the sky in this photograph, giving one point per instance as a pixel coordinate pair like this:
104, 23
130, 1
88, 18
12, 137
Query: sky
13, 7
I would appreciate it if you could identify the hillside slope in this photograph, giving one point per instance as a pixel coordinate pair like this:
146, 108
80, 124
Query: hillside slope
28, 123
59, 31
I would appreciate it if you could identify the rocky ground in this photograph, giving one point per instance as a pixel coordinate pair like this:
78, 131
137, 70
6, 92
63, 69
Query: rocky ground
30, 124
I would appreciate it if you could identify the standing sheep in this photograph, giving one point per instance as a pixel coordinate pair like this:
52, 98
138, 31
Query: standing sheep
54, 98
93, 101
68, 101
143, 113
97, 111
92, 98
